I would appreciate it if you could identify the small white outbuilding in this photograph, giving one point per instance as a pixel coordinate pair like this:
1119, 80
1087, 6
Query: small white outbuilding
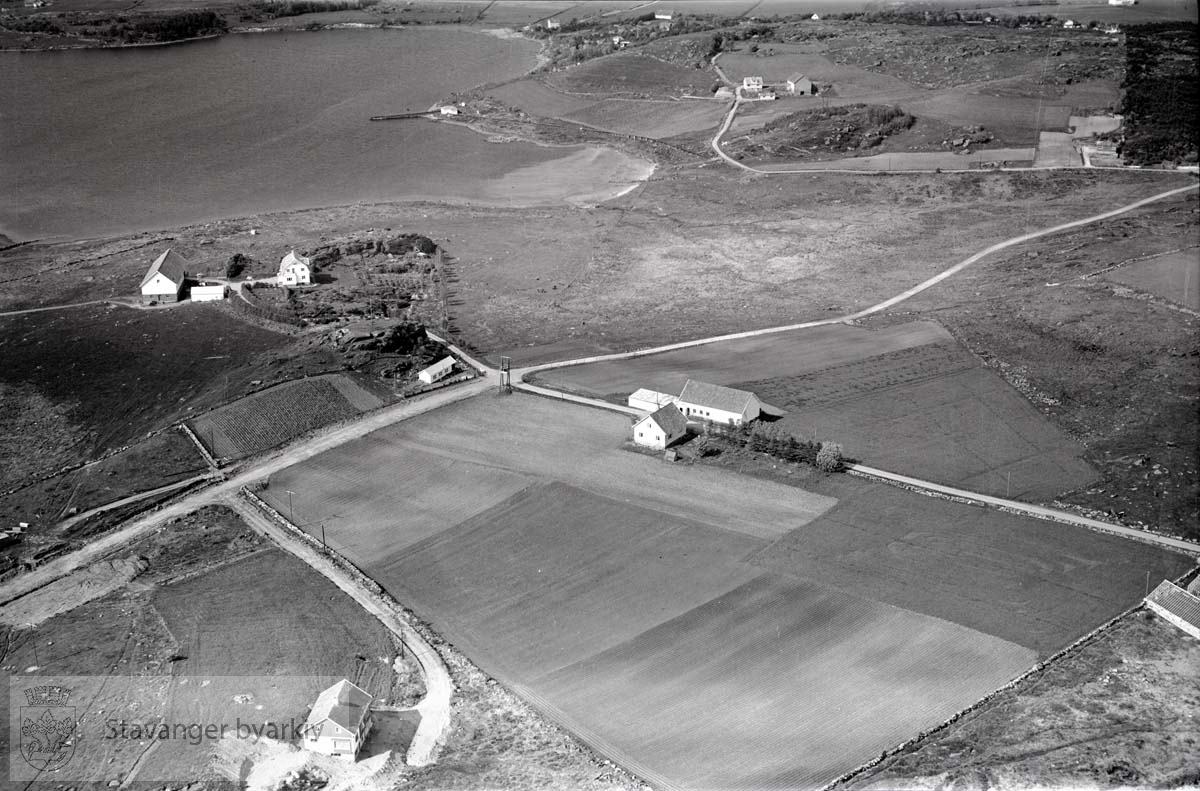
660, 429
649, 400
438, 371
209, 292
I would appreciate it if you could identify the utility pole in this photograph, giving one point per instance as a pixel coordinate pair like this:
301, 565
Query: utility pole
324, 546
291, 513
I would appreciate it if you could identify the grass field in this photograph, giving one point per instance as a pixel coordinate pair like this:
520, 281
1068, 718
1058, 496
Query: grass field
632, 75
1036, 583
933, 412
1174, 277
1116, 712
141, 368
632, 599
264, 420
791, 354
656, 119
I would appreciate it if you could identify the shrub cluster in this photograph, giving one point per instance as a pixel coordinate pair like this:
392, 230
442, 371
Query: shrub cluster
33, 24
280, 8
180, 26
766, 438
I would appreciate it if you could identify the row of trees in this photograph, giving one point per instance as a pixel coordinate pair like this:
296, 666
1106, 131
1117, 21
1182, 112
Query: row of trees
767, 438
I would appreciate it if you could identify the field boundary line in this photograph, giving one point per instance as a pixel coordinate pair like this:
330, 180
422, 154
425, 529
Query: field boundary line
1039, 511
1037, 668
434, 707
208, 457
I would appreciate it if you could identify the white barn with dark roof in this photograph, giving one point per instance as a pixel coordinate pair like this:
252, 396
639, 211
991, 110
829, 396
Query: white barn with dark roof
704, 401
660, 429
164, 280
339, 721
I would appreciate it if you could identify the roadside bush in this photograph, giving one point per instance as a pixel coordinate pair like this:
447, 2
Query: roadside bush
35, 24
829, 457
236, 264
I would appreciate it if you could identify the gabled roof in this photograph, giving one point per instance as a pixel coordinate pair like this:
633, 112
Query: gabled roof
669, 419
343, 704
797, 77
444, 364
1177, 601
171, 265
292, 258
726, 399
653, 396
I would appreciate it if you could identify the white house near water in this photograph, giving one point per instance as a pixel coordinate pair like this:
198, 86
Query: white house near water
339, 721
661, 428
164, 280
295, 270
650, 400
799, 85
209, 292
704, 401
438, 371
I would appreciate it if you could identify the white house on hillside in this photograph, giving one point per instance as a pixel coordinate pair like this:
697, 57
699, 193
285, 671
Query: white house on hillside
295, 270
660, 429
164, 280
339, 721
752, 84
438, 371
704, 401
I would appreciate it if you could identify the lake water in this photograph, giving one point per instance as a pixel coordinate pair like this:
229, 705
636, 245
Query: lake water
105, 141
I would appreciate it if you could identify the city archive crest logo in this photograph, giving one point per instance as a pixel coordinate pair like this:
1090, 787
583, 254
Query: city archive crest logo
48, 731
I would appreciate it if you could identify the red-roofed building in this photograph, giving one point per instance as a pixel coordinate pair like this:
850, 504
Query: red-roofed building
339, 721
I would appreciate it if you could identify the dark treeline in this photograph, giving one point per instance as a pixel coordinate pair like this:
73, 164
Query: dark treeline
177, 27
1162, 93
282, 8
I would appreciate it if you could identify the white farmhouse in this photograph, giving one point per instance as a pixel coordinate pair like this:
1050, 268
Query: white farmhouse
752, 84
704, 401
164, 280
438, 371
295, 270
208, 292
339, 721
660, 429
650, 400
448, 109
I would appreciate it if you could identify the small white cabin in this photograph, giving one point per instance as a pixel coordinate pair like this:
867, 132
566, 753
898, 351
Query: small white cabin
295, 270
165, 278
449, 109
339, 721
438, 371
661, 428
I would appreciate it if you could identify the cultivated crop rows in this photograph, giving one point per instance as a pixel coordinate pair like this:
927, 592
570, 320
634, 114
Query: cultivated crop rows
265, 420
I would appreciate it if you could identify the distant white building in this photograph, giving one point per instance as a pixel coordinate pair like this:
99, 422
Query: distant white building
339, 721
165, 278
449, 109
1124, 3
295, 270
438, 371
800, 85
209, 292
661, 428
664, 15
1070, 24
752, 84
553, 24
704, 401
815, 17
650, 400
